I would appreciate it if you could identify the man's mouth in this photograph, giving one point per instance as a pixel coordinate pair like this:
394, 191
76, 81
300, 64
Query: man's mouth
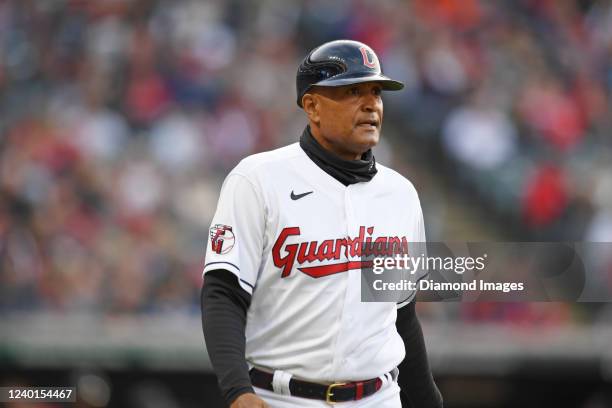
369, 123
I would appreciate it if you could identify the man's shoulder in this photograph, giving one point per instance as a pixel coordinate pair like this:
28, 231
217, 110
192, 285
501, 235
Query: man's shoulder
251, 165
395, 180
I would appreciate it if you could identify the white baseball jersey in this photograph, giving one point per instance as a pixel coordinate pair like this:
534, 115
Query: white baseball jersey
291, 234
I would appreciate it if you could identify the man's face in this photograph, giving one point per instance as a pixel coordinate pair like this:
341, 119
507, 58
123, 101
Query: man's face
348, 117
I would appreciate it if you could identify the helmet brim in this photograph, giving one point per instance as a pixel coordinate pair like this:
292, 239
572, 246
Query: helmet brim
387, 83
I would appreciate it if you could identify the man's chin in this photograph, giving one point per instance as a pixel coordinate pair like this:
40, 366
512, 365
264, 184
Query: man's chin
366, 137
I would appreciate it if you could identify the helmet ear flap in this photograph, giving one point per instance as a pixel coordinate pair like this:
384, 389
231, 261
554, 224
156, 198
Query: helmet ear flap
327, 69
310, 73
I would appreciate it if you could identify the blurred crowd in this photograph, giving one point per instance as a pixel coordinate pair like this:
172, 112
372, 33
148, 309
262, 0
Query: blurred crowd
120, 118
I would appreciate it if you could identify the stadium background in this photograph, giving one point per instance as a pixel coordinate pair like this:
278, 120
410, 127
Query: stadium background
119, 120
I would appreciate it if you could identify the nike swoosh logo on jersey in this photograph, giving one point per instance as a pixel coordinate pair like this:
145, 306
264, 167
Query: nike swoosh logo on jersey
298, 196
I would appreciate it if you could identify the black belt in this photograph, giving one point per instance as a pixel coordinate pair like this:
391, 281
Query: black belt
332, 393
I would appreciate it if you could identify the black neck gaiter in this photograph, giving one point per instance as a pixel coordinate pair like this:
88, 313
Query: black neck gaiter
345, 171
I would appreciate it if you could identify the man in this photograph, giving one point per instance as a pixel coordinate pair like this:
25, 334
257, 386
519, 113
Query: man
282, 273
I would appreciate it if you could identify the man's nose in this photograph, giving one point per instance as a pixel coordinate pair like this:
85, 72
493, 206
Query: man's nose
370, 103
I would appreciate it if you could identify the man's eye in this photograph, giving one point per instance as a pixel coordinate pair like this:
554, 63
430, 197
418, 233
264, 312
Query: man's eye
354, 91
377, 91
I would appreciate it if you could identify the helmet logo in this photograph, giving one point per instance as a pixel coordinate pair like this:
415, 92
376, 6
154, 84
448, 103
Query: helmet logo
369, 60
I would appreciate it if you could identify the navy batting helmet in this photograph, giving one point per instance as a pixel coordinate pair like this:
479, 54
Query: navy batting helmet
338, 63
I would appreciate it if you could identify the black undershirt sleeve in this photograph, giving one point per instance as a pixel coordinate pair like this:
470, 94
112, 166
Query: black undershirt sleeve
418, 389
224, 307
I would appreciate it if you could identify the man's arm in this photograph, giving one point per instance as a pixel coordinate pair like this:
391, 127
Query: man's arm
415, 379
224, 307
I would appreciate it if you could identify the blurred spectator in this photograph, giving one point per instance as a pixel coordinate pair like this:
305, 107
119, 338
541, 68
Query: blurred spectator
545, 197
479, 136
552, 114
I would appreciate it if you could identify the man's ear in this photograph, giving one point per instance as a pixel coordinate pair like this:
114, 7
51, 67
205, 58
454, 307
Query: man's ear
311, 106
